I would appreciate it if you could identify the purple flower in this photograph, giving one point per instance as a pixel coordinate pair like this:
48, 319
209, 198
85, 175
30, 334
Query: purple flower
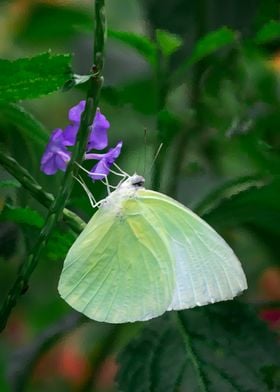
98, 138
102, 168
74, 115
56, 156
75, 112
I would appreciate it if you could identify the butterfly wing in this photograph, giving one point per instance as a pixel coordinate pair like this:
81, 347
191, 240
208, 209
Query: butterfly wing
119, 269
205, 267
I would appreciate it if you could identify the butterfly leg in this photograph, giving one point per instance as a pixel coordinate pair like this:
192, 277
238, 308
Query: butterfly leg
90, 196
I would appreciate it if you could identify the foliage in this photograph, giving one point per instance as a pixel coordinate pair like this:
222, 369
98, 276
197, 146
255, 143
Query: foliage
32, 77
211, 96
210, 350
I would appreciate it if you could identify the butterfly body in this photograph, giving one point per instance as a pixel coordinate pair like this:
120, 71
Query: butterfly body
143, 253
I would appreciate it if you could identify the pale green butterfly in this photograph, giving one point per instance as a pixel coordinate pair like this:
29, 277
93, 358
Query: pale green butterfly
143, 253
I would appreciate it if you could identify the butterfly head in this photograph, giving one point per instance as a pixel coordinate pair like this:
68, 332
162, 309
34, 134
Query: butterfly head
132, 183
125, 189
136, 181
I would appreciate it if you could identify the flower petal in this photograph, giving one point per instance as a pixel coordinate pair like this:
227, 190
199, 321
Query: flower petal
48, 166
55, 156
61, 160
98, 138
102, 168
56, 138
75, 112
70, 134
114, 153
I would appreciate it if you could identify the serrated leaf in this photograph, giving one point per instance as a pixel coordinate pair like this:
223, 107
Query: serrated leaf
142, 44
221, 347
168, 42
32, 77
31, 128
22, 216
204, 47
258, 204
227, 190
269, 32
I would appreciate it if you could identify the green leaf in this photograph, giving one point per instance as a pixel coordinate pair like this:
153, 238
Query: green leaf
141, 44
4, 184
269, 32
168, 42
228, 190
221, 347
169, 125
58, 245
32, 129
27, 78
140, 94
212, 42
204, 47
257, 203
22, 216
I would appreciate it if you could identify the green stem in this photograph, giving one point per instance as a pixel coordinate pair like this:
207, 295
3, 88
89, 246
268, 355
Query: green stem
35, 189
180, 147
162, 91
181, 142
202, 382
25, 271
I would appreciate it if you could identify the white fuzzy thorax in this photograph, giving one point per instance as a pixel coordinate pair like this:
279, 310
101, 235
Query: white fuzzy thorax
125, 190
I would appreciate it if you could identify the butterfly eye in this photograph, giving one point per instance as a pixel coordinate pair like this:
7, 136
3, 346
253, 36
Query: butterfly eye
138, 181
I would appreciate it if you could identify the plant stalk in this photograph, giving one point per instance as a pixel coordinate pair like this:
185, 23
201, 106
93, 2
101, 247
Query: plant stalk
25, 271
36, 190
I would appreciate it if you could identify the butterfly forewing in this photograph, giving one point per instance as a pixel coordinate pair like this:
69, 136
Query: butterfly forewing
205, 267
119, 269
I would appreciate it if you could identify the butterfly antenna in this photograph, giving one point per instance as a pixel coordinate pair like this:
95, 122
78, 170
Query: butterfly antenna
145, 151
156, 155
90, 196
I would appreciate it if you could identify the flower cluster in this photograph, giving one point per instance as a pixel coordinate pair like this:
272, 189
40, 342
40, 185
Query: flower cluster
57, 155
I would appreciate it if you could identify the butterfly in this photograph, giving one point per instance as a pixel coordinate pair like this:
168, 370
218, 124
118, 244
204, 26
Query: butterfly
143, 253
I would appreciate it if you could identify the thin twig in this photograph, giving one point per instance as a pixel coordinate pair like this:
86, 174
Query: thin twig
95, 83
35, 189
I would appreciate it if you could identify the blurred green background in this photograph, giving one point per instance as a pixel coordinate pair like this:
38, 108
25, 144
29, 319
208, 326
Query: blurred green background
218, 118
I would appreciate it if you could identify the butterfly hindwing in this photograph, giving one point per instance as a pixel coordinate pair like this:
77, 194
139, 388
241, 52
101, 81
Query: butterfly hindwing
205, 267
